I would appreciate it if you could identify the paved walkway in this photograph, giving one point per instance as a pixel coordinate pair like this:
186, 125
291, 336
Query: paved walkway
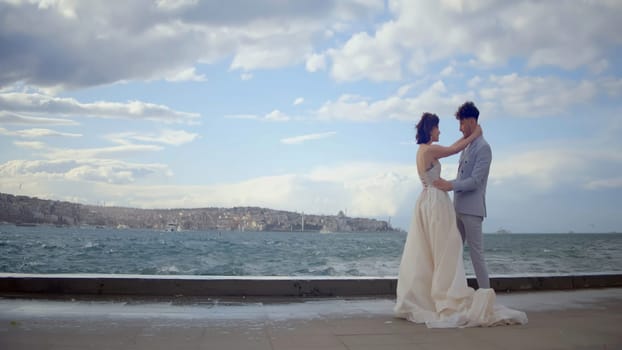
583, 319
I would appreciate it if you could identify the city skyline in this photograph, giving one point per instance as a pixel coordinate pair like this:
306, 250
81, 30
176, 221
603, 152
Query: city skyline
310, 106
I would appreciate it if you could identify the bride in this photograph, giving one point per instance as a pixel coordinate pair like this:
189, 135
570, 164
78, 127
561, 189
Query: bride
432, 286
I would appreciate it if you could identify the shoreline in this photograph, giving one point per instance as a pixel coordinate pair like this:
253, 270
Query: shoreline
394, 230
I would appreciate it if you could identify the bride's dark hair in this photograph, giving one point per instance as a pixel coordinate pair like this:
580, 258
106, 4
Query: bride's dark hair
427, 122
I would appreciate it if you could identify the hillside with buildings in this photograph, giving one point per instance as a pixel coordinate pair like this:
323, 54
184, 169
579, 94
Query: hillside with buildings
24, 210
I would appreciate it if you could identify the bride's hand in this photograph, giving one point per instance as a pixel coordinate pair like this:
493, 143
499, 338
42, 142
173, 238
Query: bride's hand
443, 184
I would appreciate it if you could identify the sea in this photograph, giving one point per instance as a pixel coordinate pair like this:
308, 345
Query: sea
53, 250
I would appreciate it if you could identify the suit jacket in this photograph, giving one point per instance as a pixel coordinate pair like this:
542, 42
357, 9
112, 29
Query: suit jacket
470, 185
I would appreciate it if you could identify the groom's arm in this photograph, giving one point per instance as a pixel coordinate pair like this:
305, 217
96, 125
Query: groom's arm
479, 174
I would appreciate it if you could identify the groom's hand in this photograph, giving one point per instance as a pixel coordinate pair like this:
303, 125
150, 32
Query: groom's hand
443, 185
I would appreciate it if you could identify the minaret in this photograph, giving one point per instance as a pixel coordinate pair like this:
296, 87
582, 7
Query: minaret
302, 229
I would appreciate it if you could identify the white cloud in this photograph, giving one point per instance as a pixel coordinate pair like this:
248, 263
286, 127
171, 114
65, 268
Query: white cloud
418, 61
66, 37
270, 53
276, 116
275, 34
316, 63
30, 144
63, 36
187, 74
474, 82
175, 4
298, 101
305, 138
403, 90
19, 119
509, 95
31, 107
64, 8
540, 168
556, 166
91, 170
37, 132
168, 137
366, 57
447, 71
355, 108
125, 150
246, 76
492, 32
372, 189
99, 174
535, 96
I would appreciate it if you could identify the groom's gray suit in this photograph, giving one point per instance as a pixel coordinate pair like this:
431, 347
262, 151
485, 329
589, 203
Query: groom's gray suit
470, 202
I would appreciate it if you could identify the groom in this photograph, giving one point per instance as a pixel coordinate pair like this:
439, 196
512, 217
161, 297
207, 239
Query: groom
470, 190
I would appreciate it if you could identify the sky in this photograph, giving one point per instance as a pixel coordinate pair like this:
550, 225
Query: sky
310, 106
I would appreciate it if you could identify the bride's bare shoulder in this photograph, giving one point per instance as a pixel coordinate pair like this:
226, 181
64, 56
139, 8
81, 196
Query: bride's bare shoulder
424, 147
427, 150
438, 151
422, 151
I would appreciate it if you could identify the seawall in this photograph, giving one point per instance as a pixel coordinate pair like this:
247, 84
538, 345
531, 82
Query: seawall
256, 286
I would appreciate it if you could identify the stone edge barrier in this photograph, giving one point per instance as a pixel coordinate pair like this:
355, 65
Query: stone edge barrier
256, 286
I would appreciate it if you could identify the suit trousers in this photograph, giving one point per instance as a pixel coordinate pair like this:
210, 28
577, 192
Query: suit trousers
470, 227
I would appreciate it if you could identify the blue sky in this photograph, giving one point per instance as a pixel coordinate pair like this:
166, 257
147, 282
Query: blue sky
309, 106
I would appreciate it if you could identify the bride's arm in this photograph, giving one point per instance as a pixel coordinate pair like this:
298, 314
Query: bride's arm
438, 151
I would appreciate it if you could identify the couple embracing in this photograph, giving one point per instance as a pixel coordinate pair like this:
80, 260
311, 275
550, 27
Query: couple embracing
432, 286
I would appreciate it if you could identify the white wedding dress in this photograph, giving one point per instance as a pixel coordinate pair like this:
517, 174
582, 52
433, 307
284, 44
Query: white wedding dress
432, 286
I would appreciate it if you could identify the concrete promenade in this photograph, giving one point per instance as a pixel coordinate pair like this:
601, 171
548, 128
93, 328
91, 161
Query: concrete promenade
571, 319
199, 312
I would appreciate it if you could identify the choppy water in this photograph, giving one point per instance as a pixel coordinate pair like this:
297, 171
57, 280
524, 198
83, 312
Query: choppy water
88, 250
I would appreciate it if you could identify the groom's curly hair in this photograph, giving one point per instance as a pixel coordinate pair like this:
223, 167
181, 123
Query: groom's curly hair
427, 122
467, 110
